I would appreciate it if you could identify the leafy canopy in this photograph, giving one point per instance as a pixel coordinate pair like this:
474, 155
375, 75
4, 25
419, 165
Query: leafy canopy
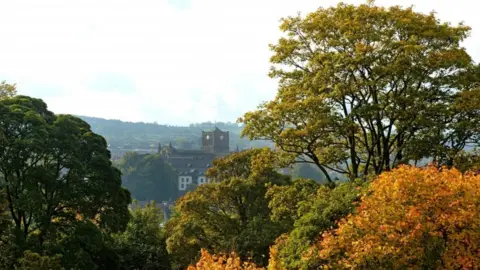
57, 177
7, 90
222, 262
142, 244
148, 177
34, 261
414, 218
365, 88
307, 210
308, 171
230, 214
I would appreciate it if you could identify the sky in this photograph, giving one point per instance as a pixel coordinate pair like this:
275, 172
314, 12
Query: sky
172, 62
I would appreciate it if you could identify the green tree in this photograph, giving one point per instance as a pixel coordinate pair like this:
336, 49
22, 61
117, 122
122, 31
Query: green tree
142, 245
148, 177
34, 261
468, 161
7, 90
4, 216
6, 256
57, 175
462, 131
308, 171
230, 214
259, 162
184, 143
83, 246
307, 210
284, 200
364, 88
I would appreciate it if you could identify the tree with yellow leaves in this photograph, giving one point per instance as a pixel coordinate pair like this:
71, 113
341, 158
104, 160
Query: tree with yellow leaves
414, 218
230, 214
365, 88
7, 90
222, 262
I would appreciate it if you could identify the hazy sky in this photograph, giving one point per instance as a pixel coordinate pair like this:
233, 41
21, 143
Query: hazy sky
170, 61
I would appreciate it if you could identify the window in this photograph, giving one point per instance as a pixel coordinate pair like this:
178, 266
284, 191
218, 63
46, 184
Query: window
183, 181
202, 180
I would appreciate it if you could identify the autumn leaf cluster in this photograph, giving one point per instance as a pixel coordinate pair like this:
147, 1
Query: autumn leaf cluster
414, 218
222, 262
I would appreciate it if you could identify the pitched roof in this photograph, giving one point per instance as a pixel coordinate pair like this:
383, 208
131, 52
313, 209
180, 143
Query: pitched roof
188, 164
188, 152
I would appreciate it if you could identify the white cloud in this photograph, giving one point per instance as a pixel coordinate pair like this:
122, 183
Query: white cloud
183, 62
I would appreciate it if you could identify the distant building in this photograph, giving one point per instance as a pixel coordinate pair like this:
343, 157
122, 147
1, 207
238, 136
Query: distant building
192, 165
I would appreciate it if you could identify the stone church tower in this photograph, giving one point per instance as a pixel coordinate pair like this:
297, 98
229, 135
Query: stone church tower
215, 141
191, 165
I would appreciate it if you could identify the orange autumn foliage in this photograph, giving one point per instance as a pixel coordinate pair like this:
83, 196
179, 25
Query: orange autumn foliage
274, 261
222, 262
413, 218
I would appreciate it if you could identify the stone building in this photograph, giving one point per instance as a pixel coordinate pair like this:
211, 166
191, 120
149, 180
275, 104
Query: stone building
192, 165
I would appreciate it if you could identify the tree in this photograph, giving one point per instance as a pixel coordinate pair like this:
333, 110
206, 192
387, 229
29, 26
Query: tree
142, 245
284, 200
230, 214
413, 218
308, 171
57, 175
468, 161
34, 261
260, 162
184, 143
7, 90
462, 131
307, 209
6, 256
222, 262
83, 245
148, 177
365, 88
4, 218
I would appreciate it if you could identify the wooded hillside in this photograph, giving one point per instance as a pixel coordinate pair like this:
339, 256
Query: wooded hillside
144, 137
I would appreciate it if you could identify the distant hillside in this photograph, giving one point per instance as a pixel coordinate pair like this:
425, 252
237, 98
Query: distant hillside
145, 137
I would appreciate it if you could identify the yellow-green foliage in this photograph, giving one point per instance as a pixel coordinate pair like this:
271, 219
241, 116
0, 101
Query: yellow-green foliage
222, 262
